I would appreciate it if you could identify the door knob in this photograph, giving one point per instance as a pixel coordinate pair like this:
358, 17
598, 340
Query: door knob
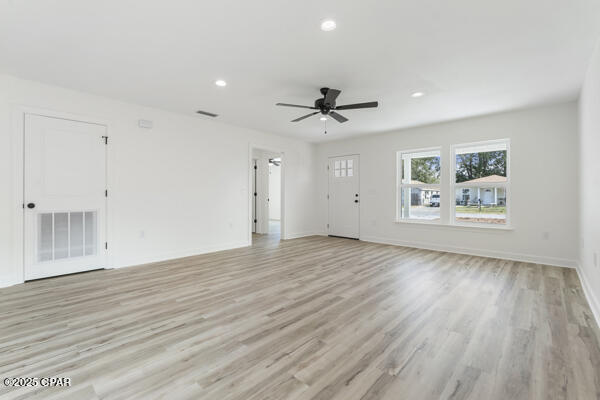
31, 205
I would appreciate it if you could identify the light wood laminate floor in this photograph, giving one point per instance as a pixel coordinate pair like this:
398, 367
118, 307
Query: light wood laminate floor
310, 318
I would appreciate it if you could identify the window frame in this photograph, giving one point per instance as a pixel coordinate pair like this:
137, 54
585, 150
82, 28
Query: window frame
454, 185
433, 186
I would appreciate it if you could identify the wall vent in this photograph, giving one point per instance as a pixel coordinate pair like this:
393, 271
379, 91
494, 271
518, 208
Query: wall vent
208, 114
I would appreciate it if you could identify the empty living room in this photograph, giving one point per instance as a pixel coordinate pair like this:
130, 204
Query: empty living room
278, 200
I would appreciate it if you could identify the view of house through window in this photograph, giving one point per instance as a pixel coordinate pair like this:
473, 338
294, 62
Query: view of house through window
419, 188
481, 183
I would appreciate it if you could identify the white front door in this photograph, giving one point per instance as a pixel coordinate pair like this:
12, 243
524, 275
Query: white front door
65, 203
344, 196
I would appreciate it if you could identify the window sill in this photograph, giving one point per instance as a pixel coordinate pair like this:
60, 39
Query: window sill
458, 226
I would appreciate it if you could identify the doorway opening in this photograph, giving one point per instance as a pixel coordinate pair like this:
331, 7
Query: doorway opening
266, 196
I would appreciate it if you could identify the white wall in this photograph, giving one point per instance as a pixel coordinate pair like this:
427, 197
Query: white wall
589, 136
544, 158
275, 192
183, 186
165, 182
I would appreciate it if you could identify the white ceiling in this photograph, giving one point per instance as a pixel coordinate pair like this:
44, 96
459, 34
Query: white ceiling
471, 57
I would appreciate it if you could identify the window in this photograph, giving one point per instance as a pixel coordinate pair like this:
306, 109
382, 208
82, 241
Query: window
419, 185
343, 168
475, 190
481, 183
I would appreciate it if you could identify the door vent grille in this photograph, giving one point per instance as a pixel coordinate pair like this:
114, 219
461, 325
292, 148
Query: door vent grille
208, 114
66, 235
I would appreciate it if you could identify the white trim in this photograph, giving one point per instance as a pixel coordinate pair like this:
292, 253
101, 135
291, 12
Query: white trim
454, 185
17, 132
436, 223
430, 150
433, 152
400, 158
531, 258
589, 293
7, 281
426, 186
482, 147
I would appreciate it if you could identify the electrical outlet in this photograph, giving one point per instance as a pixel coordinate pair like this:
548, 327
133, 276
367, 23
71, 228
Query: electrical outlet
546, 235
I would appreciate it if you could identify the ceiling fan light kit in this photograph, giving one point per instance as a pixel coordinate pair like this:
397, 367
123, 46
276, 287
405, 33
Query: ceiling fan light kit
326, 105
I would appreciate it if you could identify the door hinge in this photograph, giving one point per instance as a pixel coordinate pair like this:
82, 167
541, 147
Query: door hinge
328, 196
255, 194
105, 139
106, 193
328, 168
255, 221
327, 226
106, 245
255, 167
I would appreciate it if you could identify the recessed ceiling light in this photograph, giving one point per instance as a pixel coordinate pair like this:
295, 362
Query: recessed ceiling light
418, 94
328, 25
220, 82
323, 118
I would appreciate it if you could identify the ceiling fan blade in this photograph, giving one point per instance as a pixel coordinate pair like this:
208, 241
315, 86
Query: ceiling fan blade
294, 105
371, 104
305, 116
331, 95
338, 117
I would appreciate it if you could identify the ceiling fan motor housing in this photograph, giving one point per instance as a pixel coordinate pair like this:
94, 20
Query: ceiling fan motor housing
321, 105
324, 108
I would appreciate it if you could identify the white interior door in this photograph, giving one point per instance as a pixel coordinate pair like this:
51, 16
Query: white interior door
344, 196
65, 202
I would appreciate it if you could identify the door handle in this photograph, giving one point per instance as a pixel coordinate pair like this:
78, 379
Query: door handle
30, 205
356, 201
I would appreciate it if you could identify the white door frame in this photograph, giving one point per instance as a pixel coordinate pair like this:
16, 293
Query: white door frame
329, 189
18, 113
251, 148
253, 195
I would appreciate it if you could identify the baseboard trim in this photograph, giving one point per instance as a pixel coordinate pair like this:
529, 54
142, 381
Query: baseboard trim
301, 234
132, 262
557, 262
589, 294
6, 281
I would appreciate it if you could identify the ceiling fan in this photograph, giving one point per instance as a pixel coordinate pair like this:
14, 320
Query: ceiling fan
327, 106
